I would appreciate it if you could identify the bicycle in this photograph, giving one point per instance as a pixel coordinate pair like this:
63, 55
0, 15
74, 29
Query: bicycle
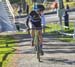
37, 45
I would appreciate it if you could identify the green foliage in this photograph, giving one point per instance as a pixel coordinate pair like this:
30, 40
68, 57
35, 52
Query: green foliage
5, 51
71, 4
14, 1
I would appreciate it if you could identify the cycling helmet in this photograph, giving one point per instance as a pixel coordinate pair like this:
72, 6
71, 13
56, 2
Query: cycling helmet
39, 7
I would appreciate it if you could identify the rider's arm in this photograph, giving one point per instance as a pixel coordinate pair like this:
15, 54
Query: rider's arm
28, 19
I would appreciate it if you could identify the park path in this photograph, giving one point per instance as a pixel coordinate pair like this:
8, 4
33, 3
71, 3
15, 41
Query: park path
57, 53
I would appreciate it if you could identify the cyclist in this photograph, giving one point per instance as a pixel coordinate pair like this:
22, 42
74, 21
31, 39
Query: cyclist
35, 19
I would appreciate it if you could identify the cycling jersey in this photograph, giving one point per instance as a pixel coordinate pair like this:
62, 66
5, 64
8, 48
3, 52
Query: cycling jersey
35, 19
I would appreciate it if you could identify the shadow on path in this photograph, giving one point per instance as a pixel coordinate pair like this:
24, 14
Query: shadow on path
60, 51
16, 41
58, 61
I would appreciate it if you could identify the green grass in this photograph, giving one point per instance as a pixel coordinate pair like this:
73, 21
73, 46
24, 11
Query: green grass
52, 28
66, 40
5, 51
56, 27
71, 4
71, 28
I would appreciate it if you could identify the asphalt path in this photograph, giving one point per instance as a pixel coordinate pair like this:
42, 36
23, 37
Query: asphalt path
55, 18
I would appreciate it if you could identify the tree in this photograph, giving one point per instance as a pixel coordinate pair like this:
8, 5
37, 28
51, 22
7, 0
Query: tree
23, 4
14, 1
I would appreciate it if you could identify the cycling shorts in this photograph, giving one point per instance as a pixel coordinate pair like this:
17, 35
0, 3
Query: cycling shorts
35, 25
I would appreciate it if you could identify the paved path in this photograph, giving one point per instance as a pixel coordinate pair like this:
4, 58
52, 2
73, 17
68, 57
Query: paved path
57, 54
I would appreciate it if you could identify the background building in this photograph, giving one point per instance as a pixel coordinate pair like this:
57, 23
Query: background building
6, 16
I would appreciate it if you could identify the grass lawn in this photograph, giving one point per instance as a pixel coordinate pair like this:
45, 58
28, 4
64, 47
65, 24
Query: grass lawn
52, 28
5, 51
56, 27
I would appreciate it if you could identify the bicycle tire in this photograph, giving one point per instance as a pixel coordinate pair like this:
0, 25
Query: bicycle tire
38, 50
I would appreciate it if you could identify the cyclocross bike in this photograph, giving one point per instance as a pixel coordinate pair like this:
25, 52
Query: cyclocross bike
37, 45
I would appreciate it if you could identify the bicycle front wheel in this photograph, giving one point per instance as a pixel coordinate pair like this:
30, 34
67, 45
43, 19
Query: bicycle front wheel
38, 50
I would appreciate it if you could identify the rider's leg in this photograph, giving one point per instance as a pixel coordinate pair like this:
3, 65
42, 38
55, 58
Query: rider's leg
40, 38
40, 42
32, 36
32, 32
